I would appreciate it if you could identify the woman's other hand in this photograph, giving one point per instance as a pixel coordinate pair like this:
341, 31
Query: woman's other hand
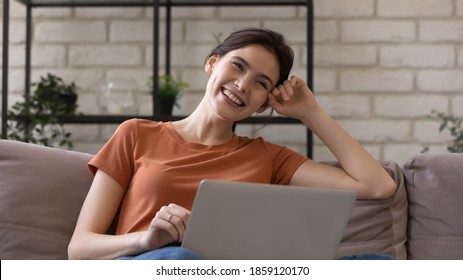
168, 225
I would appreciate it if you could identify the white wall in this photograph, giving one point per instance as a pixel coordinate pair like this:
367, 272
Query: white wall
381, 66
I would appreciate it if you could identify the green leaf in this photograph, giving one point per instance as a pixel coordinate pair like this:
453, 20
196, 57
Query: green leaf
454, 126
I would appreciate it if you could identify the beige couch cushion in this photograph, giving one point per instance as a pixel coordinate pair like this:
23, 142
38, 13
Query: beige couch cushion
435, 194
41, 193
379, 226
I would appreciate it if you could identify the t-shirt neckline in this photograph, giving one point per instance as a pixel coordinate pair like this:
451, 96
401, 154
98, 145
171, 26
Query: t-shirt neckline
177, 137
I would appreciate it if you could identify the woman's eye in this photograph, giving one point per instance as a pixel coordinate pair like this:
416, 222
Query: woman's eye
262, 84
238, 66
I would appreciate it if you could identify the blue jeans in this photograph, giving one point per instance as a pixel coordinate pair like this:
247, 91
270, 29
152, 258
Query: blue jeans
165, 253
180, 253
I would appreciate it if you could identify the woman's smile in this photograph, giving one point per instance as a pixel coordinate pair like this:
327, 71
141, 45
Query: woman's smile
230, 97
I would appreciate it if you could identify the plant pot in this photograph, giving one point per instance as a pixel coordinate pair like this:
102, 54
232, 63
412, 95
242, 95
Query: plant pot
166, 103
70, 100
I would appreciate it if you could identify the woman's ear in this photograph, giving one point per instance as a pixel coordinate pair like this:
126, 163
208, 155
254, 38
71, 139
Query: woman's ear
263, 107
210, 63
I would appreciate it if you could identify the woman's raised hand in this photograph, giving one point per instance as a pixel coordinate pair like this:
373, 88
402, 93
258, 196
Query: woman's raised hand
293, 99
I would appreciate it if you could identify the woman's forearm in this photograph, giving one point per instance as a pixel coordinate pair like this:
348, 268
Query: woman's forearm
95, 246
353, 157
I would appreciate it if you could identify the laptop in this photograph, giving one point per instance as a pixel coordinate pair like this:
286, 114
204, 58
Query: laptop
250, 221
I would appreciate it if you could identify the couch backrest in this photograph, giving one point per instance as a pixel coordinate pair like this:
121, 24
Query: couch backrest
435, 194
41, 192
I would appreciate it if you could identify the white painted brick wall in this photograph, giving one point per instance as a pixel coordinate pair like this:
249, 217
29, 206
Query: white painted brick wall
202, 31
17, 10
17, 31
341, 9
257, 12
16, 78
47, 56
441, 31
107, 55
85, 79
429, 56
325, 31
324, 81
414, 8
381, 66
346, 106
377, 130
378, 31
190, 55
48, 13
188, 13
70, 31
457, 106
402, 152
427, 131
376, 80
289, 28
345, 55
409, 106
109, 12
441, 80
131, 31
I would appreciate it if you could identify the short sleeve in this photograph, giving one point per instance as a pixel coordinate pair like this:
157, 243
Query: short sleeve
116, 157
285, 162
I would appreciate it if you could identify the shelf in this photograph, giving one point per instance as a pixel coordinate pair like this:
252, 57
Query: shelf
146, 3
155, 4
116, 119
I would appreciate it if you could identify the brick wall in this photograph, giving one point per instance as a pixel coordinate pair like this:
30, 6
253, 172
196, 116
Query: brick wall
381, 66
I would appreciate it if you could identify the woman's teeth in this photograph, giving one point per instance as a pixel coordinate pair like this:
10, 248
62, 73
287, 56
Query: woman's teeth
232, 97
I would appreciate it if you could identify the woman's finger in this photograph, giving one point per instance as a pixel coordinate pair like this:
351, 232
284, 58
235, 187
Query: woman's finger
161, 225
288, 89
178, 217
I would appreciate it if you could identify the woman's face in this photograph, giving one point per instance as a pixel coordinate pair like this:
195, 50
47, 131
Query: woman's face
240, 81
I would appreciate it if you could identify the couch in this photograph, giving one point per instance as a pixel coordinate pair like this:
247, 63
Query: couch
42, 190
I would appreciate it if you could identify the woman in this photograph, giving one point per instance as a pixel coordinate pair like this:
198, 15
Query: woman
149, 171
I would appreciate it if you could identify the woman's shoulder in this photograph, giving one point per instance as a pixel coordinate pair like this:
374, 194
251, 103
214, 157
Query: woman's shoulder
260, 142
136, 123
137, 127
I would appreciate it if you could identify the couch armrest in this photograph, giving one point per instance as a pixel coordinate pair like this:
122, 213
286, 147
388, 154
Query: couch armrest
434, 184
41, 192
379, 226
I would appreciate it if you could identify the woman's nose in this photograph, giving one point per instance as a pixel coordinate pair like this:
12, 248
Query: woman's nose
242, 83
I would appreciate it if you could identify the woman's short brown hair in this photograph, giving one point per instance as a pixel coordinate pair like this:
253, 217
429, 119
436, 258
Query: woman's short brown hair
271, 40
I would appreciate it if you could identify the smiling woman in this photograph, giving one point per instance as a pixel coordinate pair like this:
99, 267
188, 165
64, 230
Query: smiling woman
243, 77
151, 170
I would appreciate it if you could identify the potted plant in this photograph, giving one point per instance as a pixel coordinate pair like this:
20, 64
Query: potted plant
169, 91
40, 118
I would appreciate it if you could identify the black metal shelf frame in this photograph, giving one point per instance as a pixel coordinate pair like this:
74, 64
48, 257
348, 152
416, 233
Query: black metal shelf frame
155, 4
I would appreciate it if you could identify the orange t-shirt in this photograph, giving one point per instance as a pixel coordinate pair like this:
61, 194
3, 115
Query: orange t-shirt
155, 166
